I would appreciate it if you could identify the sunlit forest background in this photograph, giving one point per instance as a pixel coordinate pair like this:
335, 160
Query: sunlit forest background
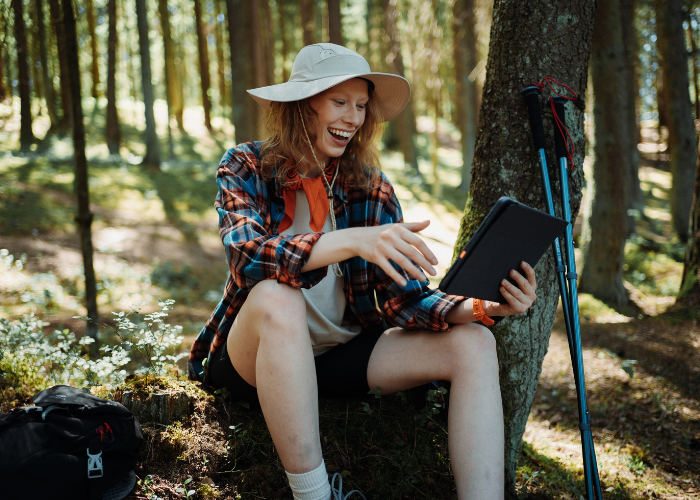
162, 96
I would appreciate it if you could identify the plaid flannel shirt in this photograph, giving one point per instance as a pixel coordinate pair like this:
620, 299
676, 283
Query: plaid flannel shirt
250, 211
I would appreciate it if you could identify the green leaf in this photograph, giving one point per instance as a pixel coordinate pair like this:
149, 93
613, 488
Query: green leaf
627, 366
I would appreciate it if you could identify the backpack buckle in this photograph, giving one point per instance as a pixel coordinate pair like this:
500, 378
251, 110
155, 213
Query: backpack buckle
94, 465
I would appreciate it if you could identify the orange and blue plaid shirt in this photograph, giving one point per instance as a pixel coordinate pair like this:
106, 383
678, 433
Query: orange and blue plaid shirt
250, 211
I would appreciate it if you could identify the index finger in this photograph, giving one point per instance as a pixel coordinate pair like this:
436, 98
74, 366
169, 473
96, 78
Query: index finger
420, 245
529, 274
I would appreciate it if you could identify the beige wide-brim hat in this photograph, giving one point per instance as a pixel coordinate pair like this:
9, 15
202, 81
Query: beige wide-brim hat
321, 66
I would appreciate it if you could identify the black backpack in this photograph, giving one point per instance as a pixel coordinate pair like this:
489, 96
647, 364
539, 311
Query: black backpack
71, 445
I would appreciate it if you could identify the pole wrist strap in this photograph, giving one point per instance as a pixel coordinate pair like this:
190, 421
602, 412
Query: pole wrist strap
480, 314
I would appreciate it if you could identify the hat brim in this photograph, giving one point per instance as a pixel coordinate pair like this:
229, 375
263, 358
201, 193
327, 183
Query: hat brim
391, 92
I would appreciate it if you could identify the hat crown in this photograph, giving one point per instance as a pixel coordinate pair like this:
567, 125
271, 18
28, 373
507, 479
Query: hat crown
323, 60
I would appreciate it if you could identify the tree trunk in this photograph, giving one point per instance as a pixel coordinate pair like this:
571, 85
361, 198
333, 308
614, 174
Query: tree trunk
681, 130
257, 60
168, 68
112, 131
689, 292
152, 157
466, 98
203, 51
220, 65
44, 58
635, 196
26, 137
34, 54
604, 236
694, 64
268, 42
505, 164
94, 66
335, 30
405, 121
283, 35
83, 217
308, 25
3, 89
238, 40
173, 84
64, 75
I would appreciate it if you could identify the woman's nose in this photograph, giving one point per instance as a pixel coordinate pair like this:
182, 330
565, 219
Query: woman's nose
353, 117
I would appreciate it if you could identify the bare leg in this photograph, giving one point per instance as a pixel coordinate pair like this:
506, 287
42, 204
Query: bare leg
270, 348
466, 356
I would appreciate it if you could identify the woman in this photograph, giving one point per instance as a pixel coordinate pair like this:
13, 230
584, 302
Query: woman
310, 198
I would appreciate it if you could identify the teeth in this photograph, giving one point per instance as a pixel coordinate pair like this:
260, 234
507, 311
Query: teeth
340, 132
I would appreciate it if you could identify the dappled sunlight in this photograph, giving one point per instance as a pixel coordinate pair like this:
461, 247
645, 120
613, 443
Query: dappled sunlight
643, 428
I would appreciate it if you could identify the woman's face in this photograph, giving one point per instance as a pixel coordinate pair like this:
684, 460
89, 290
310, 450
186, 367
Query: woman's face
340, 113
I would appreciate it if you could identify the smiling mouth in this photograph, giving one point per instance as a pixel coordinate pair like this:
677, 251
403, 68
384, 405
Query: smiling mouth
340, 135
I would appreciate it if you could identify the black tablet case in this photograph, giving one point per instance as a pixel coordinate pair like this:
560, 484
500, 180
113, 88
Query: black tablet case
510, 234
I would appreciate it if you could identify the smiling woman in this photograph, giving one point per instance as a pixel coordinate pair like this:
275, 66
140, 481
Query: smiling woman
310, 197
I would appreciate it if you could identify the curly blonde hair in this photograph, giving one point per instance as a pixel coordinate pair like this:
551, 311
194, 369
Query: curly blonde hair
359, 164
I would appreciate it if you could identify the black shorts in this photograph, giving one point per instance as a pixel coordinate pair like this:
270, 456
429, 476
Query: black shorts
341, 372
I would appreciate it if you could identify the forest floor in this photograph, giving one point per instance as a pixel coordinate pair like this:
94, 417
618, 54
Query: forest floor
155, 237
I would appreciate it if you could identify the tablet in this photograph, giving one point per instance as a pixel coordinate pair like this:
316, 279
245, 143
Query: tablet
510, 234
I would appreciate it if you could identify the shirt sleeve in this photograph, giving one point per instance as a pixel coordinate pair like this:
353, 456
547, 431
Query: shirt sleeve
414, 306
253, 253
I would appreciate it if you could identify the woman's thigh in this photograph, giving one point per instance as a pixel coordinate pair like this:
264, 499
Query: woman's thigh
271, 309
403, 359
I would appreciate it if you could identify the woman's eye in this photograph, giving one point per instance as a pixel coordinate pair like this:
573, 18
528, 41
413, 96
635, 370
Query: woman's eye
362, 107
340, 103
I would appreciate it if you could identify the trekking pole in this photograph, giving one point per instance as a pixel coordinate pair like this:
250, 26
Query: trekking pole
532, 100
591, 473
531, 95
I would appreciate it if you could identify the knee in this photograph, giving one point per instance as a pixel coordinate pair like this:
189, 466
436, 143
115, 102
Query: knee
276, 304
472, 347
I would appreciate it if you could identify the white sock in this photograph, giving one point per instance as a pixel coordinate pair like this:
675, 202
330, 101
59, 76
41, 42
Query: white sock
311, 485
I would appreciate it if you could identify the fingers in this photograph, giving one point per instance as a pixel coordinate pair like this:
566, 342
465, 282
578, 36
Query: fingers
508, 290
530, 274
416, 241
520, 297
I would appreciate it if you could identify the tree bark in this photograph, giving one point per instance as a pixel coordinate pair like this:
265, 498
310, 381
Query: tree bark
464, 47
220, 65
681, 130
173, 84
112, 130
268, 42
257, 55
3, 89
335, 31
203, 51
168, 68
44, 58
694, 63
152, 157
603, 240
241, 102
405, 121
83, 217
689, 292
26, 136
308, 24
64, 75
94, 66
283, 35
635, 196
526, 43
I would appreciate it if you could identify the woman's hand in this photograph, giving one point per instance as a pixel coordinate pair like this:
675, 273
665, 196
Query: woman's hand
399, 243
519, 298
